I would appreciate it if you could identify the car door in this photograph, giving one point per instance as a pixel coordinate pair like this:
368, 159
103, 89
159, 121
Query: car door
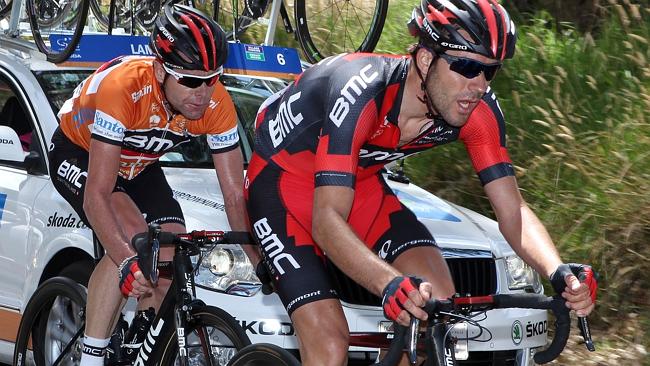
20, 183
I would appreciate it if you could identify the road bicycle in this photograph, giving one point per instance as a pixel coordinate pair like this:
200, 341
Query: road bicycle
63, 18
436, 342
322, 28
130, 14
336, 27
185, 331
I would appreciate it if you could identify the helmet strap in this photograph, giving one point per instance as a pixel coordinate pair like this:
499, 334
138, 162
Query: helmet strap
168, 106
423, 85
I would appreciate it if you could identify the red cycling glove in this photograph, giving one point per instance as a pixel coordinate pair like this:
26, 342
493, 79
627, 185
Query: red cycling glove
127, 275
396, 293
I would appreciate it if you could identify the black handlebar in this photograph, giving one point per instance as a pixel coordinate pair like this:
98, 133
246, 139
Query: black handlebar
562, 319
436, 309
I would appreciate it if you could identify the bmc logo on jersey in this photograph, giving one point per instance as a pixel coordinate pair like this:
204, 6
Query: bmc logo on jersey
380, 155
285, 121
149, 144
356, 84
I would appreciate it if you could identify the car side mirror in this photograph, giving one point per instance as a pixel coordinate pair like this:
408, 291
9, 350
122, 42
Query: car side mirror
10, 147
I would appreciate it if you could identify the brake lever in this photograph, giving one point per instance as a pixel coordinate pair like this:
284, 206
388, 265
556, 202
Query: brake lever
155, 249
154, 261
412, 341
583, 325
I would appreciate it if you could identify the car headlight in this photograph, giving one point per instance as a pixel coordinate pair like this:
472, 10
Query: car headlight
521, 276
226, 268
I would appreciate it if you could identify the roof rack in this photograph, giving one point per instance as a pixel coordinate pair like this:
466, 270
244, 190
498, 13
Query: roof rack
21, 48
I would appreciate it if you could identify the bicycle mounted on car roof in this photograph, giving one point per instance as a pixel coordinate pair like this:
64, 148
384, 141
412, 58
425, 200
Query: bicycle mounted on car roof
318, 35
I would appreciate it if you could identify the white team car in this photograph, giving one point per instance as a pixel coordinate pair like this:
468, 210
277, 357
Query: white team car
41, 236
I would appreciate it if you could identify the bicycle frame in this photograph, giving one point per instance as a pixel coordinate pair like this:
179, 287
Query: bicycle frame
179, 299
174, 311
175, 305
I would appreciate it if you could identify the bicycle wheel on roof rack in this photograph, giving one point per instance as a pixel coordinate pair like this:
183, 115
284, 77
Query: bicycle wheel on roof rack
101, 9
330, 27
5, 8
57, 26
233, 17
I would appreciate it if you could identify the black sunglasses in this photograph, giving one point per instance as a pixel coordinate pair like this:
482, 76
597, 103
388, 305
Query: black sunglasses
194, 82
471, 68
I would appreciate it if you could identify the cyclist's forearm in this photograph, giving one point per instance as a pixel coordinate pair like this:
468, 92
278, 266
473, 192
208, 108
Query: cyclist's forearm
530, 240
238, 220
335, 237
97, 207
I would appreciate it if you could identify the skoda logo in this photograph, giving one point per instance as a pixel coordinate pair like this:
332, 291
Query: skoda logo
516, 332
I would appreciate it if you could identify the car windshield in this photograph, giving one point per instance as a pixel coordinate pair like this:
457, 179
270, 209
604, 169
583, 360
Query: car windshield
247, 93
58, 85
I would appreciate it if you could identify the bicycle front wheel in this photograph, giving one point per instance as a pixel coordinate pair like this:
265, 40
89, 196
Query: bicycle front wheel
330, 27
57, 26
53, 322
212, 338
263, 354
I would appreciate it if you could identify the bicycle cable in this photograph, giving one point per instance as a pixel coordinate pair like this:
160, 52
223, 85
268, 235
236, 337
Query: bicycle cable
471, 321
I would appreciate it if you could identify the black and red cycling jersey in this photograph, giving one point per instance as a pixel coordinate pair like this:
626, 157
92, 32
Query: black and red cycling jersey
337, 124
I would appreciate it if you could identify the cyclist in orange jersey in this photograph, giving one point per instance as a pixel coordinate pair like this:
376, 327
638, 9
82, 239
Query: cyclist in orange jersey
104, 156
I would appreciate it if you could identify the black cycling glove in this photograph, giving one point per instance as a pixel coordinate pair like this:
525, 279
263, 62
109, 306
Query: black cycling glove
583, 272
396, 293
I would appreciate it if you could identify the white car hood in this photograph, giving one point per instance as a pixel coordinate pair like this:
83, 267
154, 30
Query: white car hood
198, 192
452, 226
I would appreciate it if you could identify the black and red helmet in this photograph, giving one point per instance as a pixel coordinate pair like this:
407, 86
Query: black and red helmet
439, 23
185, 38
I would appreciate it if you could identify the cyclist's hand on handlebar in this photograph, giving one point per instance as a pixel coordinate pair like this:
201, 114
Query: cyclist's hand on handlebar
580, 295
132, 282
405, 296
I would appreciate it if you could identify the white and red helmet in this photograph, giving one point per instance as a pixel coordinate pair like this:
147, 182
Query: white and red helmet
438, 25
185, 38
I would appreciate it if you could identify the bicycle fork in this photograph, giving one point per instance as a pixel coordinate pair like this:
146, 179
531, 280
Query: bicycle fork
437, 339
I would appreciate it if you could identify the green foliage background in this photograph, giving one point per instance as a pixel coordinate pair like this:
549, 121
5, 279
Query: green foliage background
576, 105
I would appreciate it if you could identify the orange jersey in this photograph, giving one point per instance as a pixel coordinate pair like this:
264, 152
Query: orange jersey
122, 104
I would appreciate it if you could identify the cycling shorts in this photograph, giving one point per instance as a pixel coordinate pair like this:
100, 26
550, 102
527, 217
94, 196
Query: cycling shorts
280, 207
149, 190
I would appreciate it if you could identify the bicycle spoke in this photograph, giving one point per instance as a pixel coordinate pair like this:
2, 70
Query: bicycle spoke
340, 26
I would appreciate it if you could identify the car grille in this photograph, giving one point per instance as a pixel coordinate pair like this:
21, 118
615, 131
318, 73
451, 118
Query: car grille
475, 276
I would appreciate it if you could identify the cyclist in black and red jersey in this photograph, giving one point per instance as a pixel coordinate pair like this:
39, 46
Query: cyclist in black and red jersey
315, 190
